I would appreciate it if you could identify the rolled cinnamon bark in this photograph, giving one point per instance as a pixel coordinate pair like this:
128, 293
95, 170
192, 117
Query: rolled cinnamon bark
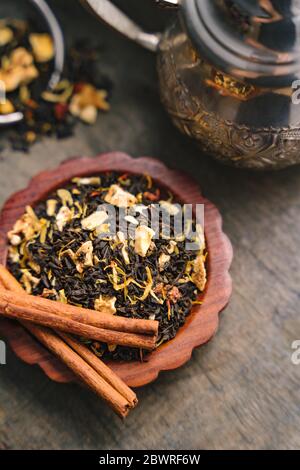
101, 368
82, 315
83, 370
9, 281
93, 372
45, 318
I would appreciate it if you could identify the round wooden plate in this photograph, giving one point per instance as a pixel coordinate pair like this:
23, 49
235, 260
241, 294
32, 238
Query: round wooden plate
202, 322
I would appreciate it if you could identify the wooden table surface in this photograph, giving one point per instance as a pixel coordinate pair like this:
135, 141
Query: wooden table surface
239, 391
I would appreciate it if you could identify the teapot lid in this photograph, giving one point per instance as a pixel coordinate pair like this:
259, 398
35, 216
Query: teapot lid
254, 40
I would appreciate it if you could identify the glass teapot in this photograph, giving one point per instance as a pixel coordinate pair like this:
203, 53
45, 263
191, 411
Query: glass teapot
228, 72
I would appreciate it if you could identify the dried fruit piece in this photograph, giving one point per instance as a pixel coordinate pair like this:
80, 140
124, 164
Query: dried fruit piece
106, 303
65, 196
21, 57
143, 239
19, 69
132, 220
117, 196
64, 216
163, 260
199, 272
171, 247
87, 101
93, 181
84, 256
7, 107
51, 207
11, 81
89, 114
14, 239
25, 227
103, 229
42, 47
6, 35
95, 220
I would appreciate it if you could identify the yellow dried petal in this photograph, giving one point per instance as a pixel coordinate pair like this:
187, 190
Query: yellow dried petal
57, 97
24, 94
149, 285
62, 297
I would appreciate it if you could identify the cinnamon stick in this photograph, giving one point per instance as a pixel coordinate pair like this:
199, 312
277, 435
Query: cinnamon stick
45, 318
82, 315
9, 281
101, 368
118, 396
83, 370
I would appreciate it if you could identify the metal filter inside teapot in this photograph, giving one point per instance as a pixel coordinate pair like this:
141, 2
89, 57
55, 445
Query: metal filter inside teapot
228, 74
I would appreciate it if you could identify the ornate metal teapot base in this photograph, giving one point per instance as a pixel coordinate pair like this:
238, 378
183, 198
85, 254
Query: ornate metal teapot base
240, 146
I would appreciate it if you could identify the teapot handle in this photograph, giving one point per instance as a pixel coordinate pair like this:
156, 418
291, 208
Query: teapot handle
114, 17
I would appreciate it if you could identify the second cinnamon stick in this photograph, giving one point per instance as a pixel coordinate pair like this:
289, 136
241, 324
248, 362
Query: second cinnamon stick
57, 322
79, 359
82, 315
83, 370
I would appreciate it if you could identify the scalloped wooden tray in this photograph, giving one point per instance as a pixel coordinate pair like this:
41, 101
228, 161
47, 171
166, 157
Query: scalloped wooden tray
201, 324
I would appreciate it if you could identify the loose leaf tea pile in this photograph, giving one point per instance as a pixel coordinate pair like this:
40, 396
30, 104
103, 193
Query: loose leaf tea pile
66, 249
25, 70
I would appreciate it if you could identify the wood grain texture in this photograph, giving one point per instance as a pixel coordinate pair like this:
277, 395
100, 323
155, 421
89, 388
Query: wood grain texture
202, 323
241, 390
